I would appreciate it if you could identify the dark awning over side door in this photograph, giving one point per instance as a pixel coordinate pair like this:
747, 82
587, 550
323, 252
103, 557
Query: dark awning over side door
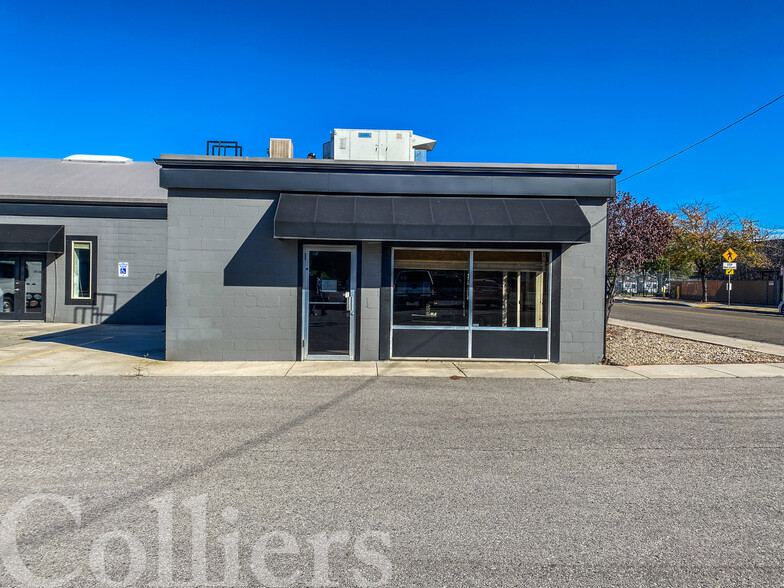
32, 238
429, 219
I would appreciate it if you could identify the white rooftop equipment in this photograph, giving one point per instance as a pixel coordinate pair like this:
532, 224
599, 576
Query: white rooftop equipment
377, 145
281, 149
82, 158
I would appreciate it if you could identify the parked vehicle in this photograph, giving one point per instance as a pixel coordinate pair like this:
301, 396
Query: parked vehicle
413, 287
7, 285
487, 292
449, 288
781, 308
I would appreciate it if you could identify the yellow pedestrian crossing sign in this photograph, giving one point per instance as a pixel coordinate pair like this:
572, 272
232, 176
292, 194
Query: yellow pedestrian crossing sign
729, 255
729, 272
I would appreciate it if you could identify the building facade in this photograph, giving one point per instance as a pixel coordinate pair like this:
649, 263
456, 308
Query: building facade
326, 259
82, 240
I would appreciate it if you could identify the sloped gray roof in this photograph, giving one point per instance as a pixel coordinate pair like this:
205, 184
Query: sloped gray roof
55, 179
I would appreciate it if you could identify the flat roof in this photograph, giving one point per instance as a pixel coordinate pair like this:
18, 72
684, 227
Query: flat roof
23, 178
208, 161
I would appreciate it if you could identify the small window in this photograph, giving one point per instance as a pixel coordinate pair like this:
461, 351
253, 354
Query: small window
81, 270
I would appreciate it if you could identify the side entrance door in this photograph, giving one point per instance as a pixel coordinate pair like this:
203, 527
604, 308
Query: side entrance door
328, 302
22, 287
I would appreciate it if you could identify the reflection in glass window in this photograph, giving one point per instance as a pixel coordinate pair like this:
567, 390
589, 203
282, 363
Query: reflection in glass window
33, 276
8, 284
81, 271
510, 289
430, 288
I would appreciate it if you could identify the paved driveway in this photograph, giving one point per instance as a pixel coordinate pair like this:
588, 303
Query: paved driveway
473, 482
765, 327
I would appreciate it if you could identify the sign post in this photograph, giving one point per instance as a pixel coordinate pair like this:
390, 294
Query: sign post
729, 286
729, 269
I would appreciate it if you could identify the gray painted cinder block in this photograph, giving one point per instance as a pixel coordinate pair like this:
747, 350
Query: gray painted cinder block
582, 293
138, 298
370, 292
231, 291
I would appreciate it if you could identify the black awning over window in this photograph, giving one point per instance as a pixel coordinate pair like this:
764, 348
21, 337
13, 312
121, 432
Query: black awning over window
32, 238
414, 218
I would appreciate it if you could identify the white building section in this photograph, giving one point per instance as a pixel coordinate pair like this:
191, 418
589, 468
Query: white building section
377, 145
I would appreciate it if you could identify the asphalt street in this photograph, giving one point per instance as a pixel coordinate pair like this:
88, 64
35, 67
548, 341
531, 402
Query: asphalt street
464, 482
754, 326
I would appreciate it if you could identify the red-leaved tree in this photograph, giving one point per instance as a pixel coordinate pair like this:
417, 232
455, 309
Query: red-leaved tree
638, 232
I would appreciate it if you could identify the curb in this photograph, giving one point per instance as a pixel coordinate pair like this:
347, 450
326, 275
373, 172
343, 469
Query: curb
702, 305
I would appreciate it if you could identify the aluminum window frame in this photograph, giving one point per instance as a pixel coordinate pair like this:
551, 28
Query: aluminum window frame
69, 253
305, 311
470, 328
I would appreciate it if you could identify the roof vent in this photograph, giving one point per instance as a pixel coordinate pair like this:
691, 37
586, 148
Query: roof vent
281, 149
82, 158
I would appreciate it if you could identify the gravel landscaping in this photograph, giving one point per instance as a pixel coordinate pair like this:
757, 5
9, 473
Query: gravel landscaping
633, 347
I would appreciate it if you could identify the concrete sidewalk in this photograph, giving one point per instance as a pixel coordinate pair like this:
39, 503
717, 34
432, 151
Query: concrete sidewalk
33, 349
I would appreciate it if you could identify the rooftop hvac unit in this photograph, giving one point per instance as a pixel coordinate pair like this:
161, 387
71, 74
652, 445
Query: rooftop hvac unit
281, 149
377, 145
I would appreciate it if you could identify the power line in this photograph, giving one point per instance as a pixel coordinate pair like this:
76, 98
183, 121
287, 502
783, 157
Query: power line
702, 141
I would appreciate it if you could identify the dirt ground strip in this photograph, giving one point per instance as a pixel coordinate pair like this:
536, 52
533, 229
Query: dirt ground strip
633, 347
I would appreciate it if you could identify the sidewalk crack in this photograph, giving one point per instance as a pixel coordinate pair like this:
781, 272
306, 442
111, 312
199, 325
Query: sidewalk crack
457, 367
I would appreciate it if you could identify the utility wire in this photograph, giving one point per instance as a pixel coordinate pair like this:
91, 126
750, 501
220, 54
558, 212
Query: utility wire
702, 141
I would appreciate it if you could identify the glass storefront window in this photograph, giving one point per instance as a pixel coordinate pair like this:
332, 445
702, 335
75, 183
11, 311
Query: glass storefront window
430, 288
510, 289
483, 304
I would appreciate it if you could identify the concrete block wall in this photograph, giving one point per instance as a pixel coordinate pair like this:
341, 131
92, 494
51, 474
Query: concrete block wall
231, 287
582, 293
138, 298
370, 298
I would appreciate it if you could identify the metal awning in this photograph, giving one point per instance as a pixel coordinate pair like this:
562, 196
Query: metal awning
32, 238
428, 219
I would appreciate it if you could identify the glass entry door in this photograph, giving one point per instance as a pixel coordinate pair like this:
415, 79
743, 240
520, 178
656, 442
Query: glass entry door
329, 284
22, 287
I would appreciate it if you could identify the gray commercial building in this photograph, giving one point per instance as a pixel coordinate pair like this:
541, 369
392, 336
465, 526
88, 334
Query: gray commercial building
82, 240
283, 259
287, 259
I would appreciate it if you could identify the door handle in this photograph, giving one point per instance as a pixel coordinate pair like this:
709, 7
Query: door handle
350, 304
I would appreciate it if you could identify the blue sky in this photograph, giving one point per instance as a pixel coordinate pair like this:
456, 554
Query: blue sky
548, 82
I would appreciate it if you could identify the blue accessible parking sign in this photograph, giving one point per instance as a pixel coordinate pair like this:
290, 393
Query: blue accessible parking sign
122, 269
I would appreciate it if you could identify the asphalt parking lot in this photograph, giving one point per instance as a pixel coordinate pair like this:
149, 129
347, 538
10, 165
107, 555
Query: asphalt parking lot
477, 482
